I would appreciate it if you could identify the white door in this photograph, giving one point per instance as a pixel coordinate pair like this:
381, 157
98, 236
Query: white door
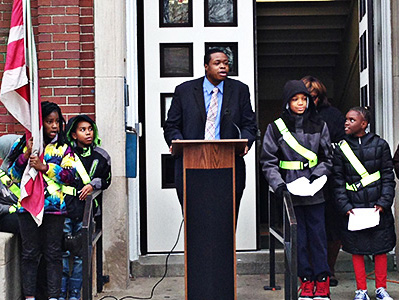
366, 56
174, 43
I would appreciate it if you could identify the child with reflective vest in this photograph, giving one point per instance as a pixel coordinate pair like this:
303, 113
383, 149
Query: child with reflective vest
298, 145
57, 168
93, 172
363, 178
9, 191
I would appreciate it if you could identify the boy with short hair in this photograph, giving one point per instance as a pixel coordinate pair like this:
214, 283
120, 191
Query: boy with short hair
298, 145
93, 166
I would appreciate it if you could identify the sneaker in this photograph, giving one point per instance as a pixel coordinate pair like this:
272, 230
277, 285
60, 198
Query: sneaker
382, 294
74, 295
322, 288
361, 295
307, 289
62, 296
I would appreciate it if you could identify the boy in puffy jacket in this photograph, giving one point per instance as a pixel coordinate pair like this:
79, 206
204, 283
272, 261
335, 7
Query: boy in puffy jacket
363, 178
93, 172
300, 127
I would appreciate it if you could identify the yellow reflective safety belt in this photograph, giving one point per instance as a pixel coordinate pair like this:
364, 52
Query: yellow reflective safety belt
359, 168
53, 186
81, 170
293, 143
6, 180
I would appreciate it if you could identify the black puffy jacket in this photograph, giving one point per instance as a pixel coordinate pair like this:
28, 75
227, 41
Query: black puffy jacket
375, 155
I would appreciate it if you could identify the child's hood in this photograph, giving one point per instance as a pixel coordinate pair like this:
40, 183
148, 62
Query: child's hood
293, 87
74, 120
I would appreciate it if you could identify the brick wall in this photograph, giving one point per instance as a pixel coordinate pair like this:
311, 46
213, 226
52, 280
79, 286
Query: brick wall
65, 44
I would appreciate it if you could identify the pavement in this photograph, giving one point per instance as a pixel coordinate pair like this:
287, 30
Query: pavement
249, 287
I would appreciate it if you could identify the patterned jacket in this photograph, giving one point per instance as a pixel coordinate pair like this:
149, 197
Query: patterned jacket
60, 161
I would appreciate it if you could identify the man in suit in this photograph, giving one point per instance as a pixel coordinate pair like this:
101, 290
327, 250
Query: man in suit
235, 118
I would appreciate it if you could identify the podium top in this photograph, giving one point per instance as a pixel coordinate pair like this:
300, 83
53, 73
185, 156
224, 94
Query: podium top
178, 145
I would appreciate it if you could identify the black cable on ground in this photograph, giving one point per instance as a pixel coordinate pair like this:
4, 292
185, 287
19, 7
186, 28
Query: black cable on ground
159, 281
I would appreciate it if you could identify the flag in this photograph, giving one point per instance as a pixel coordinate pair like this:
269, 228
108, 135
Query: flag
20, 95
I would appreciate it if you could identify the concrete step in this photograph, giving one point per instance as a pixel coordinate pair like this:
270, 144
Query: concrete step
248, 263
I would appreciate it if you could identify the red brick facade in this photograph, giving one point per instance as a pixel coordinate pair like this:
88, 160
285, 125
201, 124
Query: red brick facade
64, 32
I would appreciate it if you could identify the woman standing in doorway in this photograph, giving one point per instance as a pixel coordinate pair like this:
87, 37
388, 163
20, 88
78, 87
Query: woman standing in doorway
335, 121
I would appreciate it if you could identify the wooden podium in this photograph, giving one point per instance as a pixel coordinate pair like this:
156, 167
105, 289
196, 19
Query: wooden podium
209, 214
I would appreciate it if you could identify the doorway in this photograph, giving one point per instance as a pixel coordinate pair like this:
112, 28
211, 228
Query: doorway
299, 38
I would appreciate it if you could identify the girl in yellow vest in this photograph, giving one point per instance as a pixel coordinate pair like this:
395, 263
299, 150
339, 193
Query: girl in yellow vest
363, 178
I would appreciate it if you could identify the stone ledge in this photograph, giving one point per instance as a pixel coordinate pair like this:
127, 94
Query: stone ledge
10, 277
248, 263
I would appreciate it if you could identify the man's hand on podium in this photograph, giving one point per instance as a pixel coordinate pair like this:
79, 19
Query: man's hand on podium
245, 151
170, 148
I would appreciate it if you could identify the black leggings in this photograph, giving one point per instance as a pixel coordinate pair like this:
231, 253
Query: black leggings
44, 240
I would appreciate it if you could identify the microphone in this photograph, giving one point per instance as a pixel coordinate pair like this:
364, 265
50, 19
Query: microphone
227, 113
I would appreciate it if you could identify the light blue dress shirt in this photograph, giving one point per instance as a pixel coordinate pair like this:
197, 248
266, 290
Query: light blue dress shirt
207, 88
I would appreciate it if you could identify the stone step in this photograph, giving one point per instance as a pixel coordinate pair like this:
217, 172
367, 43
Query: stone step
248, 263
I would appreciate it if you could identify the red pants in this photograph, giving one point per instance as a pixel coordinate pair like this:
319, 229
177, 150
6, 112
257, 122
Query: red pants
380, 268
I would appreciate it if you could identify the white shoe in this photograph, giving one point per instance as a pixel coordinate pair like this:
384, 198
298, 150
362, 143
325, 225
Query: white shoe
361, 295
382, 294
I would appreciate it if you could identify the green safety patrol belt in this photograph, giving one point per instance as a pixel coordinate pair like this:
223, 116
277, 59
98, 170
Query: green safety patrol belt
83, 173
293, 143
6, 180
359, 168
81, 170
53, 186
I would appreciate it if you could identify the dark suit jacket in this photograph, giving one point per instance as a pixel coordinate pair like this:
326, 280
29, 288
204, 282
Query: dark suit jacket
187, 117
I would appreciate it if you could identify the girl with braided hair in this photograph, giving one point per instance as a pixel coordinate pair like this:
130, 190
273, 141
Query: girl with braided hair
58, 170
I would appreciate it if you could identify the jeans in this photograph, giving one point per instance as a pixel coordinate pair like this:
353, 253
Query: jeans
312, 241
45, 240
71, 279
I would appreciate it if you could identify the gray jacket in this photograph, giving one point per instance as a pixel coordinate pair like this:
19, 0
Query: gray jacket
6, 142
6, 197
311, 132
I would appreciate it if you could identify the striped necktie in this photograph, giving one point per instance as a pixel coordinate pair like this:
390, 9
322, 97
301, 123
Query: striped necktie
210, 125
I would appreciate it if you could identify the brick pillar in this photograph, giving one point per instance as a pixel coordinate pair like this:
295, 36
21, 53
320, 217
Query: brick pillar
7, 123
64, 37
66, 54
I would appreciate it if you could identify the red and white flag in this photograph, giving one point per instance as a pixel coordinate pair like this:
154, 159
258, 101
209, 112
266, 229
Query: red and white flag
20, 95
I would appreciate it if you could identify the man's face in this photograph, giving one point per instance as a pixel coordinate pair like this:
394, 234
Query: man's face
217, 68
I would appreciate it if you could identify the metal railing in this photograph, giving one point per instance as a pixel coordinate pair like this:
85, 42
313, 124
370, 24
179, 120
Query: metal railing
287, 236
92, 249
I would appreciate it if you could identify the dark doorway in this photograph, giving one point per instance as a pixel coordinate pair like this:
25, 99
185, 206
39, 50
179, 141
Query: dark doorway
299, 38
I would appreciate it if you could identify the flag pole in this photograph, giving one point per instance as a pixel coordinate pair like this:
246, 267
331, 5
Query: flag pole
31, 61
35, 115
